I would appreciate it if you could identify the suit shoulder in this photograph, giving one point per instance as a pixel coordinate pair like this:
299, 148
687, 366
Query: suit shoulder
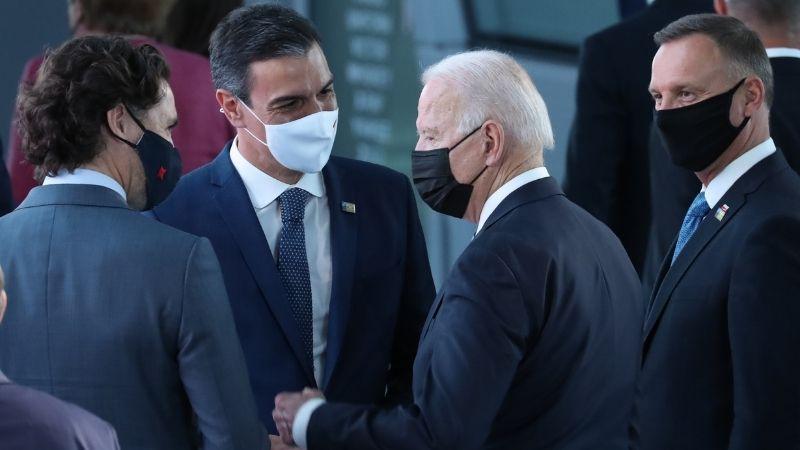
54, 418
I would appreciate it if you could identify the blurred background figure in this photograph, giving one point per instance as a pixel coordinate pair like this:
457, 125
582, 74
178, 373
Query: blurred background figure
31, 419
190, 23
202, 131
672, 188
6, 201
607, 169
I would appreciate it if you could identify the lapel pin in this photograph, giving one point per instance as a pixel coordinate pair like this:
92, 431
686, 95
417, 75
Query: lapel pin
349, 207
720, 214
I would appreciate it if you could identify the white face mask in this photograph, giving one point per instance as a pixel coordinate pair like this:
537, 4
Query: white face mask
304, 144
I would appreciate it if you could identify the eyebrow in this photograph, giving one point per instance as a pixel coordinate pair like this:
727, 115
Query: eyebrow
429, 130
291, 97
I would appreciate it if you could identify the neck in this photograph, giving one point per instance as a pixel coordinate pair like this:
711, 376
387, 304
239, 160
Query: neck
773, 37
505, 173
259, 155
740, 146
105, 167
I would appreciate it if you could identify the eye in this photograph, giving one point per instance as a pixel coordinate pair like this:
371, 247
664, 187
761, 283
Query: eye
685, 95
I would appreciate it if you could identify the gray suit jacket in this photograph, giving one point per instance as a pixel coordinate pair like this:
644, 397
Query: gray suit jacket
30, 419
125, 317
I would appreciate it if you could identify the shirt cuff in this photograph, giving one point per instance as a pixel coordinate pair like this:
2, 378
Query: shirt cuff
301, 420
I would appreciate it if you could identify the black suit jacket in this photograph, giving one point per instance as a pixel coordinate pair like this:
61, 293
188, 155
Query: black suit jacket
672, 188
30, 419
532, 343
720, 365
607, 151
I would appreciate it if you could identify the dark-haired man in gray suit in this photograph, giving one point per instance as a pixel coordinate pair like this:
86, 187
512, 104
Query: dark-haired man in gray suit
113, 311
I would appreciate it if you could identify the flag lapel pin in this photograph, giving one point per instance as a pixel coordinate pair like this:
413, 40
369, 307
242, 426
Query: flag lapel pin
349, 207
721, 212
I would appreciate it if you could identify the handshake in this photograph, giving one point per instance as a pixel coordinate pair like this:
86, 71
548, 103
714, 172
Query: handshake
287, 405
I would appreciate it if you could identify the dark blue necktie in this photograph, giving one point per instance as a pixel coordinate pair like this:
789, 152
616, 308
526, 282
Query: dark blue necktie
293, 264
697, 211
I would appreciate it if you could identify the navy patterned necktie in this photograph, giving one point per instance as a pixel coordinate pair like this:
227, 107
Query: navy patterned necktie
697, 211
293, 264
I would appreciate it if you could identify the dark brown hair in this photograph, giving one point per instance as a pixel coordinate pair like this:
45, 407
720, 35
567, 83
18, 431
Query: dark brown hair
144, 17
738, 44
62, 114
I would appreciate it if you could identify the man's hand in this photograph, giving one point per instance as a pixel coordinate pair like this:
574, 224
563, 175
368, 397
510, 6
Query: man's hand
286, 406
276, 443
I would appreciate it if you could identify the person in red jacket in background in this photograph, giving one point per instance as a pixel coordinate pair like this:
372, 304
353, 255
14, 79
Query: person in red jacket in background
201, 131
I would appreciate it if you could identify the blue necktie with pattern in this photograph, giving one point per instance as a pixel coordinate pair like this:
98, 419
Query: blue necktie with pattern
694, 216
293, 264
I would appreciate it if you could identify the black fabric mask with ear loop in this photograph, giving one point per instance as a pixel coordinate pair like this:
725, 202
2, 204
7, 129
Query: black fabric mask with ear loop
161, 161
435, 182
696, 135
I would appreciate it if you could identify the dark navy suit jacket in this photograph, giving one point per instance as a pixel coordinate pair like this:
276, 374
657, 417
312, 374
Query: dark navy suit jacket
30, 419
381, 292
532, 343
720, 364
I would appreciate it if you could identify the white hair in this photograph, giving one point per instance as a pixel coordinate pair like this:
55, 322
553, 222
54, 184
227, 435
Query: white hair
492, 85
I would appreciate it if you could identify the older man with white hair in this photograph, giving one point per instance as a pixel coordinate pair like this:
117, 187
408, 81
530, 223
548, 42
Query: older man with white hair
533, 341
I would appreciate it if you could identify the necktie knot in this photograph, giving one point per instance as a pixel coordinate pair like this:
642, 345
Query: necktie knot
293, 205
694, 216
699, 207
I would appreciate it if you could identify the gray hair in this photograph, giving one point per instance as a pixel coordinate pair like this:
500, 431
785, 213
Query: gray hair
492, 85
739, 45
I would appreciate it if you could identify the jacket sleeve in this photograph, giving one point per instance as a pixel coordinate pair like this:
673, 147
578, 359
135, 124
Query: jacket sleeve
475, 342
418, 293
211, 361
763, 310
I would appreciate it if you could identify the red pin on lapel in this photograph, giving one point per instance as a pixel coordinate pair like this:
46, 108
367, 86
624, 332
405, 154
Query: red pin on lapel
162, 172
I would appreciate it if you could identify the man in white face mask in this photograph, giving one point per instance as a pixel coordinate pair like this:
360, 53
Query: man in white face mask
323, 257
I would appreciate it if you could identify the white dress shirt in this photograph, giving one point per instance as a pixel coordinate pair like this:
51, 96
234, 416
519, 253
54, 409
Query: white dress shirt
717, 188
505, 190
264, 192
86, 176
783, 52
303, 416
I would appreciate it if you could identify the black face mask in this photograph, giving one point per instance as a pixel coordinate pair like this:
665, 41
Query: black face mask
161, 161
435, 182
696, 135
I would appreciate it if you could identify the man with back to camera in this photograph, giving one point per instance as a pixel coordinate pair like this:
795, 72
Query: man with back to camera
30, 419
533, 340
113, 311
323, 257
719, 360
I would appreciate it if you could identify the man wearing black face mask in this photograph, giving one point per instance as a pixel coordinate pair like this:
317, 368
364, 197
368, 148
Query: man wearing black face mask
533, 340
720, 366
117, 313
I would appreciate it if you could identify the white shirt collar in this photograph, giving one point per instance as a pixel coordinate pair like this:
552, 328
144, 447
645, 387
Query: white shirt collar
86, 176
717, 188
264, 189
505, 190
783, 52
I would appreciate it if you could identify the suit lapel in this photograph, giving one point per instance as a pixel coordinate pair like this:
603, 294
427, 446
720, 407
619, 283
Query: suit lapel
237, 211
735, 199
344, 246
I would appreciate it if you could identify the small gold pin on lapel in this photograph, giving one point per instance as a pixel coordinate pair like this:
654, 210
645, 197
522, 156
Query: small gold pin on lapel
720, 214
349, 207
